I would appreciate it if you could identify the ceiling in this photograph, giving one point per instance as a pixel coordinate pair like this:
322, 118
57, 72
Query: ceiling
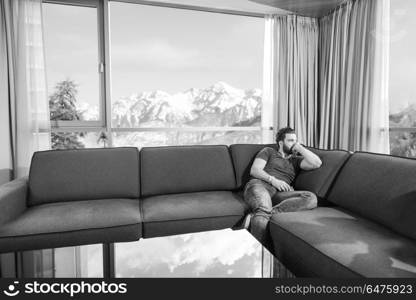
232, 5
310, 8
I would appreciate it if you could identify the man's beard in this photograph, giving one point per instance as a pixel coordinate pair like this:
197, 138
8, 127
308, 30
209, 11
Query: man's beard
286, 150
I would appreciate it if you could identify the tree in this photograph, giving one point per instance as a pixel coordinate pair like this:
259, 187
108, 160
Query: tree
62, 106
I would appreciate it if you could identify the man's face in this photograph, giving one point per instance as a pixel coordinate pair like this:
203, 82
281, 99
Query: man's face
288, 142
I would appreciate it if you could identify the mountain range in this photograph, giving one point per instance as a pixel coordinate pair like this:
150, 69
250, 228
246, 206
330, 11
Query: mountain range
404, 118
218, 105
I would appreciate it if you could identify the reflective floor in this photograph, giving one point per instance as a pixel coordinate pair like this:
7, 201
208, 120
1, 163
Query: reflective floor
220, 253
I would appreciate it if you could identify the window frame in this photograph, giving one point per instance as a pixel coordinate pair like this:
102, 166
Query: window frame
69, 126
403, 129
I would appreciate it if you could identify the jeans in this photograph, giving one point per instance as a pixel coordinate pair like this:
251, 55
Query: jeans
264, 200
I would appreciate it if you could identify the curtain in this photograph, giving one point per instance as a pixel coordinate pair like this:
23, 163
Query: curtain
6, 163
269, 70
296, 43
25, 126
354, 60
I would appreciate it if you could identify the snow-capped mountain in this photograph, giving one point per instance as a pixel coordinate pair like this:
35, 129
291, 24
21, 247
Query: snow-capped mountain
404, 118
217, 105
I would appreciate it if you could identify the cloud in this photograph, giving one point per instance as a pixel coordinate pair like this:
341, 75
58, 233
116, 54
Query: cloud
160, 55
154, 53
224, 252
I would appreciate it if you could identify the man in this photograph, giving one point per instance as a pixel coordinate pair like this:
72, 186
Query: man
270, 190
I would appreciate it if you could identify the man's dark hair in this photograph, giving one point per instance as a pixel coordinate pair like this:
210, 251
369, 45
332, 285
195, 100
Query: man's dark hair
281, 134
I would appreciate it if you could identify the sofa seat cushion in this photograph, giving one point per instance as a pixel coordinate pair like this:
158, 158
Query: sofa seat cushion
332, 242
73, 223
191, 212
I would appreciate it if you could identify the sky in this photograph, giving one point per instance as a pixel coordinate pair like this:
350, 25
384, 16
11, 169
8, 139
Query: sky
173, 50
71, 49
402, 54
155, 48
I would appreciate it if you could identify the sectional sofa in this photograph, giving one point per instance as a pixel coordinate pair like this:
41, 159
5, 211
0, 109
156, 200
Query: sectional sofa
363, 227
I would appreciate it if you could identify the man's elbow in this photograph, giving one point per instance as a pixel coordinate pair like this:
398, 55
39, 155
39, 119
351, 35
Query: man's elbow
314, 165
318, 164
254, 172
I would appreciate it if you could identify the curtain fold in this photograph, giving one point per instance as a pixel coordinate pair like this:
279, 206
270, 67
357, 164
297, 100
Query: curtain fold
23, 77
354, 59
296, 45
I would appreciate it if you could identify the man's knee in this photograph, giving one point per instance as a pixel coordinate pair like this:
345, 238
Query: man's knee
259, 204
311, 199
262, 211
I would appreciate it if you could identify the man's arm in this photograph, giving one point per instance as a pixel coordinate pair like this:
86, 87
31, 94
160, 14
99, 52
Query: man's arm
311, 161
257, 171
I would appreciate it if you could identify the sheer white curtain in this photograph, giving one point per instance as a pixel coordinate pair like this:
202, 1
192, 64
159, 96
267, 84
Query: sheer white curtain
23, 77
296, 91
268, 120
354, 67
6, 163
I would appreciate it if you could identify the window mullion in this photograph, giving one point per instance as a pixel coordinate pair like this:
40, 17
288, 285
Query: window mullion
105, 18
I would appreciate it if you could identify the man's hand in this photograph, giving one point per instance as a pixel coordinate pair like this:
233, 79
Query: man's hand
296, 147
280, 185
311, 161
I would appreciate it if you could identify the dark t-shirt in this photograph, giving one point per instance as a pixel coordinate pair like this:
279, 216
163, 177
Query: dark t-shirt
284, 169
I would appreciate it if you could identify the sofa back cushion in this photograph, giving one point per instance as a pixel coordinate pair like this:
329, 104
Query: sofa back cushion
319, 180
184, 169
243, 156
381, 188
84, 174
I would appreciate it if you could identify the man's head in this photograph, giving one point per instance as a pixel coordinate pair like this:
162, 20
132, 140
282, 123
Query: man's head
285, 139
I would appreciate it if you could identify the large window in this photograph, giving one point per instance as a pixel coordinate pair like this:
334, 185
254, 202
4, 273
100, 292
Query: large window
184, 77
402, 76
178, 76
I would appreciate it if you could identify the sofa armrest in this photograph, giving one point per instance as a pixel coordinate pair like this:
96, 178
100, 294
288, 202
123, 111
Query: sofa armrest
13, 199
